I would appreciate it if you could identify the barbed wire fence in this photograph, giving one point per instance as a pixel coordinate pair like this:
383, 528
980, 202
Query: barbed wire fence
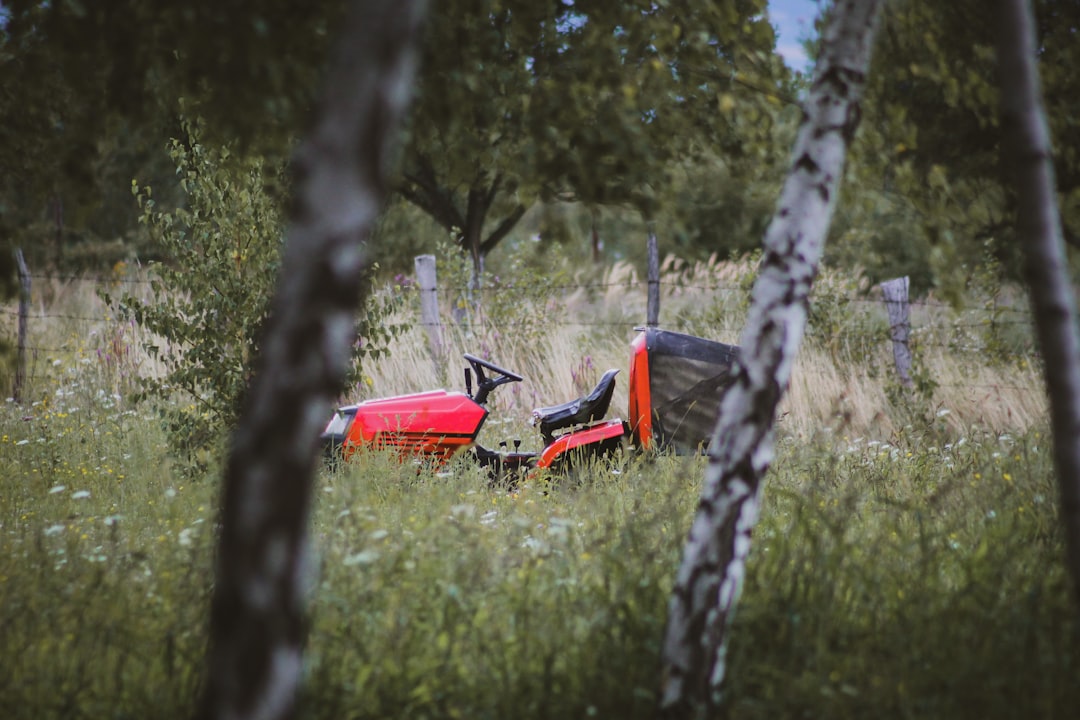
884, 317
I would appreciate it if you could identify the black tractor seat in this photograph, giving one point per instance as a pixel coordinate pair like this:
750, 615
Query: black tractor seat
577, 412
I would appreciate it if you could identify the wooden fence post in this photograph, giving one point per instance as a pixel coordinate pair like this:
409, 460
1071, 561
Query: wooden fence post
653, 308
429, 307
24, 314
896, 302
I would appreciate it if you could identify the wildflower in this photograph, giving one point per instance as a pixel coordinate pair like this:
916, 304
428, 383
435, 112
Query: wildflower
364, 557
81, 494
54, 530
538, 547
57, 489
462, 511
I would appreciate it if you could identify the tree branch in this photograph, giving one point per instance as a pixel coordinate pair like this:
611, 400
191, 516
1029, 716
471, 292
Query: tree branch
502, 230
443, 213
429, 196
493, 192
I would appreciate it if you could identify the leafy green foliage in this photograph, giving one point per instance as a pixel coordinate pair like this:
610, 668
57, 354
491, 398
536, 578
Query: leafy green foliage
593, 101
91, 90
928, 197
212, 296
908, 578
920, 576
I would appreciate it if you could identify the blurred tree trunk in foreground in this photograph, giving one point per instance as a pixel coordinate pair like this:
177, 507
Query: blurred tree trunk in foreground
710, 577
1025, 142
257, 617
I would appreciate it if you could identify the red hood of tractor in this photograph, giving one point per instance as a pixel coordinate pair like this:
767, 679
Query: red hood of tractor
435, 422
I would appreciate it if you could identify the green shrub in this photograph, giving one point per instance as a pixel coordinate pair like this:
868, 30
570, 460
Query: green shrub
912, 579
211, 298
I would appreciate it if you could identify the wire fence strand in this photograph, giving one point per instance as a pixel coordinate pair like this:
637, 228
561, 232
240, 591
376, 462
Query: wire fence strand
975, 327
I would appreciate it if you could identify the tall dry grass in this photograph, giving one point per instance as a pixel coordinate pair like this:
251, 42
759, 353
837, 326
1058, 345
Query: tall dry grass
844, 378
973, 367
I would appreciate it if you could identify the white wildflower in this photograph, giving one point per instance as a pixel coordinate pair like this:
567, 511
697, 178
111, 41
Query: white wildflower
464, 511
364, 557
538, 547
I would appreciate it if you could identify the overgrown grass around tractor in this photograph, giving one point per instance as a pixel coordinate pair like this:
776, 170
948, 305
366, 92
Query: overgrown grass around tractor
908, 562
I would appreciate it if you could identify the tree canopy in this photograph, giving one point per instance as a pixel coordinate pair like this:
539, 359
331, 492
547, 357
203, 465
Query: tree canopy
591, 101
92, 93
604, 103
930, 157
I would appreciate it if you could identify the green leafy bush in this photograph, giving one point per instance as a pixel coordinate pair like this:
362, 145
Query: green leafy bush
211, 298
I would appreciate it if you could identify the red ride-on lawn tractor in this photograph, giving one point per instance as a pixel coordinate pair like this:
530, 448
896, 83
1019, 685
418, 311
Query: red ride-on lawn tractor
675, 384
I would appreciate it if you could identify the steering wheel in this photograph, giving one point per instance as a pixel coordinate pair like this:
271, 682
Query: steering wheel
478, 363
483, 385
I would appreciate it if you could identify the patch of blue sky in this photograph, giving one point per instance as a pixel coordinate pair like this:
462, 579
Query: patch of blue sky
794, 23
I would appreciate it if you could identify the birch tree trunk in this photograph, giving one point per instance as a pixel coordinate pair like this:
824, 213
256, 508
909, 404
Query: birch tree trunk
710, 577
257, 614
1028, 160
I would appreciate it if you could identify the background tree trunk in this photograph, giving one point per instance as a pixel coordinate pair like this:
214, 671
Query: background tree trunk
709, 579
1028, 161
257, 614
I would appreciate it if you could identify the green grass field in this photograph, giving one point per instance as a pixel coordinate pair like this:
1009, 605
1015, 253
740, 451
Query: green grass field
908, 562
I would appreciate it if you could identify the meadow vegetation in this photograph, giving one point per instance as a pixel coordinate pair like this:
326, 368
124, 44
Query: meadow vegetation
908, 562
